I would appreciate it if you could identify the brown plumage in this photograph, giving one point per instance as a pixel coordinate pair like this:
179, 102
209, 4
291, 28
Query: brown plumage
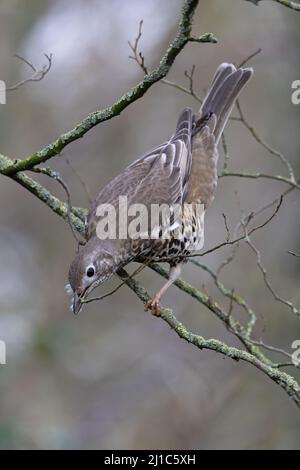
181, 171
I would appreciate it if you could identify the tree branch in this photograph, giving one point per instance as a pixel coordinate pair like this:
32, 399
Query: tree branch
252, 353
287, 382
287, 3
181, 39
57, 206
38, 74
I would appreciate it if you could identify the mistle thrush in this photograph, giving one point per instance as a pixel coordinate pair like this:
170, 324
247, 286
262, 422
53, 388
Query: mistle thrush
181, 171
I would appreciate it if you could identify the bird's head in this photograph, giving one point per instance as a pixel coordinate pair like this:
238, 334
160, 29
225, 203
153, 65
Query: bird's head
92, 266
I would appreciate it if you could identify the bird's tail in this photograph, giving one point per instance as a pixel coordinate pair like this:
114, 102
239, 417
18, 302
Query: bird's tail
208, 127
219, 101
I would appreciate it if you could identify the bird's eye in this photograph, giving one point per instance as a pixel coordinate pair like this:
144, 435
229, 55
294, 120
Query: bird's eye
90, 272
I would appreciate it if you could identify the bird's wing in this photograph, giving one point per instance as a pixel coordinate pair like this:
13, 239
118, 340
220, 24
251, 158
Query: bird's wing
178, 149
160, 177
122, 185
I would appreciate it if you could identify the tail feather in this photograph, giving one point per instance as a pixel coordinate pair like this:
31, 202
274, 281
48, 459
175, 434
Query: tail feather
221, 74
207, 130
225, 88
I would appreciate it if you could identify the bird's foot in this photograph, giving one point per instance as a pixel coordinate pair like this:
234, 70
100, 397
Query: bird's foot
153, 305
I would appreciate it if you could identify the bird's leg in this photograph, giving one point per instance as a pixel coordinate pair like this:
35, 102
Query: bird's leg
154, 304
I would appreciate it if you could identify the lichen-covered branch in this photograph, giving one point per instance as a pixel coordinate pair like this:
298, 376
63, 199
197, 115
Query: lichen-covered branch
182, 37
251, 351
286, 381
57, 206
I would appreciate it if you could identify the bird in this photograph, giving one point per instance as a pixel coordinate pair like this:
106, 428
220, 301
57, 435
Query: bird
181, 171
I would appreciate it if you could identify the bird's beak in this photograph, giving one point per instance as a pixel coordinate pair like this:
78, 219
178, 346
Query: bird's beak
77, 304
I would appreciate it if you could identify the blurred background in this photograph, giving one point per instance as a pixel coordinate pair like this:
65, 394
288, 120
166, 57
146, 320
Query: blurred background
115, 377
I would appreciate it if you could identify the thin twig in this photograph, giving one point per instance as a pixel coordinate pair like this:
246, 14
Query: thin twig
250, 216
253, 355
271, 151
261, 344
263, 270
82, 182
183, 89
243, 237
108, 294
139, 58
137, 55
56, 176
287, 3
226, 227
236, 298
250, 57
180, 40
38, 74
294, 254
227, 260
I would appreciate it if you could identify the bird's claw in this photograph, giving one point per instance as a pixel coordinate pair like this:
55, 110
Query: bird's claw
154, 306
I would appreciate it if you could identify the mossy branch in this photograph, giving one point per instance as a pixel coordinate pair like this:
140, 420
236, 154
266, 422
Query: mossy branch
252, 352
255, 357
182, 37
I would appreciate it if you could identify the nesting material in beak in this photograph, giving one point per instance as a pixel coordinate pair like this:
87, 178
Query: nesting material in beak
76, 304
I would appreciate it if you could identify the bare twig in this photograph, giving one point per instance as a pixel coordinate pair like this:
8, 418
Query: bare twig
38, 74
136, 54
287, 3
234, 297
231, 303
226, 227
243, 237
263, 270
82, 182
294, 254
139, 58
180, 40
250, 57
183, 89
190, 77
261, 344
271, 151
227, 260
15, 168
108, 294
259, 175
288, 383
56, 176
247, 218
